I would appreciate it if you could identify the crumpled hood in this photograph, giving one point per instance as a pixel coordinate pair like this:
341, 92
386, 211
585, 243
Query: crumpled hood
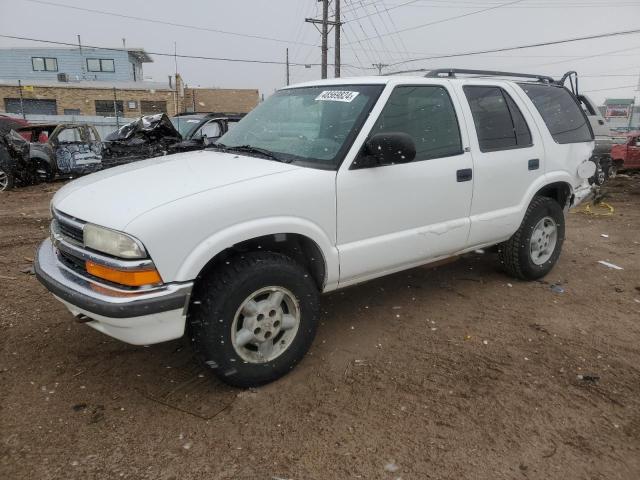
114, 197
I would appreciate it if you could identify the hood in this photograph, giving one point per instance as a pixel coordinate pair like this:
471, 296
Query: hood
113, 198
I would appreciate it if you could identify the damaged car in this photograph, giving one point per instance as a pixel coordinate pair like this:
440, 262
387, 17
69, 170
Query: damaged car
15, 165
158, 135
63, 149
147, 137
200, 130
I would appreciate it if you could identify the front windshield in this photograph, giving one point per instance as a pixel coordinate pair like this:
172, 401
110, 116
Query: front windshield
185, 124
312, 125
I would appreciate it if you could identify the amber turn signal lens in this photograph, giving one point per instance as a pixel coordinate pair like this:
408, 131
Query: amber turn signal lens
131, 278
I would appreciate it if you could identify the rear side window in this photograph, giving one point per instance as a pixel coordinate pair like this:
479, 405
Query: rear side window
561, 113
499, 122
427, 115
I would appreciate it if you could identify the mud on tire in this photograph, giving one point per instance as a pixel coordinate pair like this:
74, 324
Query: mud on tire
221, 303
518, 255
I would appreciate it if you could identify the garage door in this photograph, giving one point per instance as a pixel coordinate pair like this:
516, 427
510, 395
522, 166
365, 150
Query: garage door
31, 106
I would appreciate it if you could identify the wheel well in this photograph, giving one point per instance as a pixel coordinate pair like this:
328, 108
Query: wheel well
559, 191
298, 247
618, 162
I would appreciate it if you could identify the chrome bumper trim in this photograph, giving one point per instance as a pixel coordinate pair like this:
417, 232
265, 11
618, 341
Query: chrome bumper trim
101, 299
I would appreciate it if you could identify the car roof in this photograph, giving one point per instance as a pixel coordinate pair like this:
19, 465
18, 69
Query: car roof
405, 79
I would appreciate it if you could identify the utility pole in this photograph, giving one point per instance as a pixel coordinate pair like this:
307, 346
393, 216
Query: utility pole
338, 26
324, 32
81, 58
380, 66
288, 77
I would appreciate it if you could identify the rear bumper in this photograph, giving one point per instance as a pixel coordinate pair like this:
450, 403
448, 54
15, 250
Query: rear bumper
585, 193
139, 317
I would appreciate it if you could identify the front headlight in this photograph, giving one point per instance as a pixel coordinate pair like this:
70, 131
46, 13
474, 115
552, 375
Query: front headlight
112, 242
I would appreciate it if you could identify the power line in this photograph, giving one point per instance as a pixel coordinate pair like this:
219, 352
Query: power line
386, 8
456, 17
520, 47
163, 22
612, 88
165, 54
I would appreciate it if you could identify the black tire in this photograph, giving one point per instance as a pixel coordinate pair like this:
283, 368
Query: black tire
515, 254
218, 297
7, 179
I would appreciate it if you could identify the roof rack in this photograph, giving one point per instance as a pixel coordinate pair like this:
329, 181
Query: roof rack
451, 73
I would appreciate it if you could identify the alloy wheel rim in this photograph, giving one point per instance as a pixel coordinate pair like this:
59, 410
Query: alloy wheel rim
4, 180
543, 240
265, 324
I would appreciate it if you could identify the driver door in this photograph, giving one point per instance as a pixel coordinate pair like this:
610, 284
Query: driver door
394, 217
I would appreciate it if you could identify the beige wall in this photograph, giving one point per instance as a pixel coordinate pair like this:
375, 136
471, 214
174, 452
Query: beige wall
220, 100
83, 99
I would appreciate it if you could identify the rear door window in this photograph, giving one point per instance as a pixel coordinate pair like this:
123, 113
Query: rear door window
499, 122
426, 113
561, 113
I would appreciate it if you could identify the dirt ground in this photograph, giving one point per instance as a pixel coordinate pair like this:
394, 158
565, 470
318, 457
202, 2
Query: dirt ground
456, 372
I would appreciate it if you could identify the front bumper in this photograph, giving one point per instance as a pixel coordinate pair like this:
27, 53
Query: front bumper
140, 317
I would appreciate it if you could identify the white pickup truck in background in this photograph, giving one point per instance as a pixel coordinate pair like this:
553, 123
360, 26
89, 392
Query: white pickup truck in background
322, 186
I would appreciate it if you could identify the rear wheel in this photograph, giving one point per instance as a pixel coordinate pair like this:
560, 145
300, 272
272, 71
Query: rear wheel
254, 318
7, 179
534, 249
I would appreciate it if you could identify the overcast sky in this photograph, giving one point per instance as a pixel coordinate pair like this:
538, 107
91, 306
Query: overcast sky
365, 41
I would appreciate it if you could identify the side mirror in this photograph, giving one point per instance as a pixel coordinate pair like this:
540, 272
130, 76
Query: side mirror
386, 149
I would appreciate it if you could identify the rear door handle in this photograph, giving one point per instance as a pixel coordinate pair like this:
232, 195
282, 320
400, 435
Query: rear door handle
464, 175
534, 164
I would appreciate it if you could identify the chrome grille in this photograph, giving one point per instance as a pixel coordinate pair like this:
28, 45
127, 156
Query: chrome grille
69, 227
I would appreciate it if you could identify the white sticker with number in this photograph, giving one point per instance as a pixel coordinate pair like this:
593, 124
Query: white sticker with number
337, 96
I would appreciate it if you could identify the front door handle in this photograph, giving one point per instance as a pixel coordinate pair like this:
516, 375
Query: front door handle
534, 164
464, 175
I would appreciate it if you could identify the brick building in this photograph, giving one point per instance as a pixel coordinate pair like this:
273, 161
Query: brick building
130, 99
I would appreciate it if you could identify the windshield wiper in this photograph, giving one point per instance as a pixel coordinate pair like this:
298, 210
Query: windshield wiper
251, 149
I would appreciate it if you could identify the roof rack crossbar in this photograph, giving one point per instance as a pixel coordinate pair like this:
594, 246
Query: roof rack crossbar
451, 72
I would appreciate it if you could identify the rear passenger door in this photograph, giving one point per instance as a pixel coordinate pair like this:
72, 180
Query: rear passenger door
508, 157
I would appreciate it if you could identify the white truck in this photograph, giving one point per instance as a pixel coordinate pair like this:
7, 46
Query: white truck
324, 185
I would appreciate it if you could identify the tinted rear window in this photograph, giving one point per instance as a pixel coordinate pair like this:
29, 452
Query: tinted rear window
560, 111
498, 120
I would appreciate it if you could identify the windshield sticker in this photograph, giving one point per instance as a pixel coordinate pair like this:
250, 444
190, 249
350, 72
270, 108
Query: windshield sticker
337, 96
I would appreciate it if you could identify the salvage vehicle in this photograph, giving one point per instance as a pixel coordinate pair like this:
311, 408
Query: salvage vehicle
157, 135
15, 166
627, 155
64, 149
11, 123
322, 186
147, 137
203, 129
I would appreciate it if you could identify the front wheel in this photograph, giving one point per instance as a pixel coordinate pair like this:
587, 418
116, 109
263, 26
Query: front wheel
254, 318
534, 249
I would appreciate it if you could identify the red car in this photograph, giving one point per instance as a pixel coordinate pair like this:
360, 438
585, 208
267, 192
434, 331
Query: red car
627, 155
12, 123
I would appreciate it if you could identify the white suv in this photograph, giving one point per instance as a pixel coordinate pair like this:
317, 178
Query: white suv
322, 186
